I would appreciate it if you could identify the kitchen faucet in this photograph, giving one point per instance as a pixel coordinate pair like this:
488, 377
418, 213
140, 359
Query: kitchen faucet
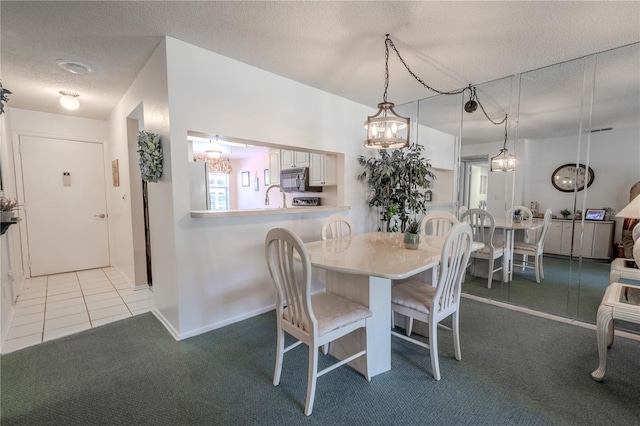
284, 196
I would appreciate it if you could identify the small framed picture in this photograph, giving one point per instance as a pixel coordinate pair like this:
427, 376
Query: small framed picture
115, 172
266, 177
245, 178
427, 195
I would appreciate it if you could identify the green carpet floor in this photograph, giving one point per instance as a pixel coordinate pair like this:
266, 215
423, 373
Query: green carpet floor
571, 289
516, 369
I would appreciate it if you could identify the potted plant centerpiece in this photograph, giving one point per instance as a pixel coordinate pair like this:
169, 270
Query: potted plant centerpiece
7, 208
565, 213
398, 181
411, 235
517, 216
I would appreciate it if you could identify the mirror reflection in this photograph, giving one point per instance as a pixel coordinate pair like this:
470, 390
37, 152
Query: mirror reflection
581, 112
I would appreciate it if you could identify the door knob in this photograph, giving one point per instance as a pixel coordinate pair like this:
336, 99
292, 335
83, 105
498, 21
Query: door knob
101, 215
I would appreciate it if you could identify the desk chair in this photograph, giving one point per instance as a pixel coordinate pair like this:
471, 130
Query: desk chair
483, 227
433, 304
312, 319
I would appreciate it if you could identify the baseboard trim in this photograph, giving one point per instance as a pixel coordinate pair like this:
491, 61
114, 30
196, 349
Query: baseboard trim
166, 323
552, 317
226, 322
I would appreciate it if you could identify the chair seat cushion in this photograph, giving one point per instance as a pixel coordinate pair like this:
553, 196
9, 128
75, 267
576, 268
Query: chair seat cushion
483, 253
524, 248
332, 312
413, 295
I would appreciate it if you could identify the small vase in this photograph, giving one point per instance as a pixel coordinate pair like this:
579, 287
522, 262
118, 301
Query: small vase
411, 241
517, 218
6, 216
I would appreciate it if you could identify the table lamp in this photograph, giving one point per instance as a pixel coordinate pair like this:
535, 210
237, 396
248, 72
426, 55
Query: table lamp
632, 211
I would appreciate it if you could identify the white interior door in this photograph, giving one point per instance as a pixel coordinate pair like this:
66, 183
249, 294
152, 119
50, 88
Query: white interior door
64, 204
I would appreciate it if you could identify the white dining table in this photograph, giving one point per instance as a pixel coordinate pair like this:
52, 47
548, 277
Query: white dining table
362, 268
510, 227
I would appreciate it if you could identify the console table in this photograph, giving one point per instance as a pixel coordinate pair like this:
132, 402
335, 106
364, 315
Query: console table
622, 302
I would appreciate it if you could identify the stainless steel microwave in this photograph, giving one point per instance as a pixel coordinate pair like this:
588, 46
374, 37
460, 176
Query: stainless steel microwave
297, 180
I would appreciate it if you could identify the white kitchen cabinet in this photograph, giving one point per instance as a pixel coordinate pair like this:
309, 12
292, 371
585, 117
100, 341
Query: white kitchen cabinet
322, 170
593, 241
293, 159
274, 167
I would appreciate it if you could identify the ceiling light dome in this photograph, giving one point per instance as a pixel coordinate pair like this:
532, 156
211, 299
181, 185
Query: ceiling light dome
69, 100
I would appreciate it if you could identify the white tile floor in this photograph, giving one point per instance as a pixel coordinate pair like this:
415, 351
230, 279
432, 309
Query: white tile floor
58, 305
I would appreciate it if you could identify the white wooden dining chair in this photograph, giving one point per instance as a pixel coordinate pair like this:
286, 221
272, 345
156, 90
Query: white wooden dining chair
526, 214
312, 319
430, 304
437, 223
483, 227
535, 249
337, 226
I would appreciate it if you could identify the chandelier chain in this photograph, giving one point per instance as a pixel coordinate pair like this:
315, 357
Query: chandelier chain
472, 89
386, 71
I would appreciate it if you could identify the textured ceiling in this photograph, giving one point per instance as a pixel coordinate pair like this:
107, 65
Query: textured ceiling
335, 46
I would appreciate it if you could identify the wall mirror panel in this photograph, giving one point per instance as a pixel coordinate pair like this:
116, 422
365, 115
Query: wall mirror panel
580, 112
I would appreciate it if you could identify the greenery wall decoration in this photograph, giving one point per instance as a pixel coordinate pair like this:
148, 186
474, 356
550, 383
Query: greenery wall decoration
151, 157
397, 181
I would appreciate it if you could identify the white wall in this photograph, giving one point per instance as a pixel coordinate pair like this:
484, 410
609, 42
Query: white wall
146, 100
212, 272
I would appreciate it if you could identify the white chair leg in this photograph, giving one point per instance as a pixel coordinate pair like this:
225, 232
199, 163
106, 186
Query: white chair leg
279, 357
537, 269
524, 262
409, 326
433, 349
490, 272
313, 376
325, 348
393, 319
541, 266
456, 335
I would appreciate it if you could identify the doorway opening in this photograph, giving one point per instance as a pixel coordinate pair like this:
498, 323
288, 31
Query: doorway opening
139, 207
474, 181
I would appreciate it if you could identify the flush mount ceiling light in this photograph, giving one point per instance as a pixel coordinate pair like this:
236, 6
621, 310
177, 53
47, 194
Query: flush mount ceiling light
74, 67
214, 151
503, 162
69, 100
387, 129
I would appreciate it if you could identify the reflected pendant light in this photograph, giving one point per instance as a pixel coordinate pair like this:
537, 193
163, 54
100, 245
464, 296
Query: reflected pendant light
386, 129
503, 162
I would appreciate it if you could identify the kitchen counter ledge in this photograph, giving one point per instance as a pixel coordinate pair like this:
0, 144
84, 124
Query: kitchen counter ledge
200, 214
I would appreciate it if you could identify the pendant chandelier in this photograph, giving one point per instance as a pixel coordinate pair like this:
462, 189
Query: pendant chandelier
503, 162
387, 129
